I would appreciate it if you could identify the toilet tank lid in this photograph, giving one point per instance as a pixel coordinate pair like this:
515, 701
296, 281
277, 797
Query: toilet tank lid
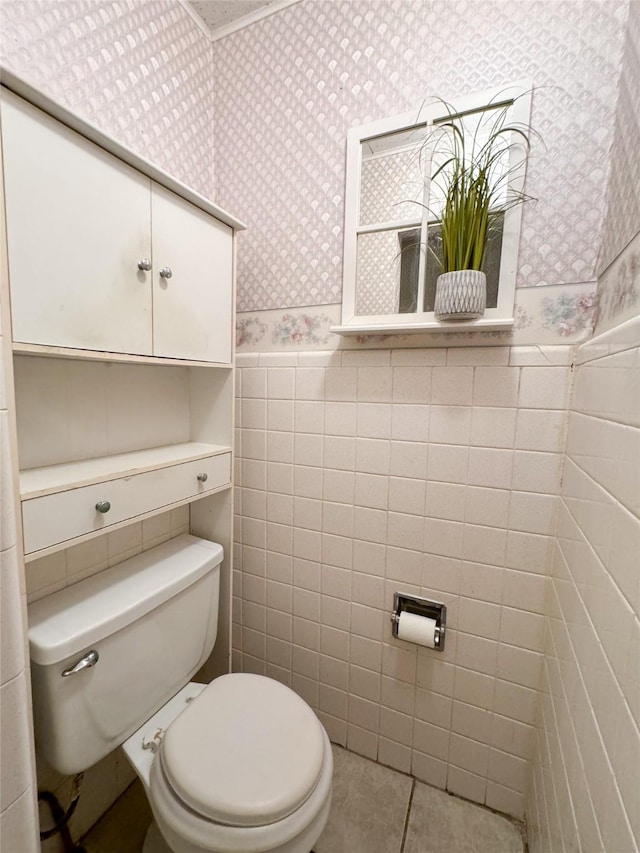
71, 620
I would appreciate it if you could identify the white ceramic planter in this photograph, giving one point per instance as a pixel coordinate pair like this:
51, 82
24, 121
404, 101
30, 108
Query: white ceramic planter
460, 295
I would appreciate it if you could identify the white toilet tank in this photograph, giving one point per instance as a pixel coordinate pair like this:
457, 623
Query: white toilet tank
152, 621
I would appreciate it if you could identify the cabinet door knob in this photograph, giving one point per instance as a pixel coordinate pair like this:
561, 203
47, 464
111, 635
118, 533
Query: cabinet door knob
144, 265
103, 506
166, 272
203, 478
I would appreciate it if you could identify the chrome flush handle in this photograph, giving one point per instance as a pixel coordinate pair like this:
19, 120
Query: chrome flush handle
90, 659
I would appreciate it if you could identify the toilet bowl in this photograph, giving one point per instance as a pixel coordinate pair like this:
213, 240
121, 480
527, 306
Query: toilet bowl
241, 764
246, 766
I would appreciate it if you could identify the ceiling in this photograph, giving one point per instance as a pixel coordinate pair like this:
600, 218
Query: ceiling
224, 16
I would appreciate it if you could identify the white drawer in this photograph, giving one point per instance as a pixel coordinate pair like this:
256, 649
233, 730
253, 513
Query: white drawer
58, 517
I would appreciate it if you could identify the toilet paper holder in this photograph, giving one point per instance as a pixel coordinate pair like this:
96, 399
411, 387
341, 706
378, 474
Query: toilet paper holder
420, 607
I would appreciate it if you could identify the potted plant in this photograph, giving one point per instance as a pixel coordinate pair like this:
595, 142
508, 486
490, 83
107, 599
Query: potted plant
474, 184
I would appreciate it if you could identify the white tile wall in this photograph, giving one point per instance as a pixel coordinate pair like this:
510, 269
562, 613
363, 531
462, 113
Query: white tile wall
587, 760
49, 574
18, 822
587, 756
434, 473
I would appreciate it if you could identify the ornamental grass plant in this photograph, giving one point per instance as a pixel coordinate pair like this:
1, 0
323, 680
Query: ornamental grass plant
474, 181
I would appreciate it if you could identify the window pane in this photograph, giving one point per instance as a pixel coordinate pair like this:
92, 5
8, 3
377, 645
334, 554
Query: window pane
410, 259
387, 266
392, 179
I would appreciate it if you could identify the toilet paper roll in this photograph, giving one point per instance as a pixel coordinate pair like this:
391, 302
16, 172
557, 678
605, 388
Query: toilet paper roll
417, 629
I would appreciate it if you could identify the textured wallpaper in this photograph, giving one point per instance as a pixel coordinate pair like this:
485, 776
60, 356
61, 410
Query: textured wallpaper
623, 211
378, 273
391, 187
619, 263
139, 71
288, 88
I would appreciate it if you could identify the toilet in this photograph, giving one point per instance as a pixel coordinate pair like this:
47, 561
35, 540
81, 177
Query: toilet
240, 764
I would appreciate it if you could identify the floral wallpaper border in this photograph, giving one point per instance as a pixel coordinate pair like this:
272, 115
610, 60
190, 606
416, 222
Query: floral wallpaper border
619, 288
558, 314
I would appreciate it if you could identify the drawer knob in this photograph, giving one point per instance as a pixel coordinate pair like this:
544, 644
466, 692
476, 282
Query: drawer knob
103, 506
166, 272
144, 265
203, 478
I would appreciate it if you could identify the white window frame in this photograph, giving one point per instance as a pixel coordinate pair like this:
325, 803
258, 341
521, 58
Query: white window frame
517, 97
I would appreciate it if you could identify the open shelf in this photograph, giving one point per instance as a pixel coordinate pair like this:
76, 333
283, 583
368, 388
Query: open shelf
100, 355
404, 327
36, 482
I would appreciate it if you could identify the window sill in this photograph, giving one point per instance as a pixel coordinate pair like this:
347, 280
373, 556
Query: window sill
405, 327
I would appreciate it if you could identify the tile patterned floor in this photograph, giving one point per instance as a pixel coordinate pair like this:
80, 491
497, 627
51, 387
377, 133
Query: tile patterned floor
374, 810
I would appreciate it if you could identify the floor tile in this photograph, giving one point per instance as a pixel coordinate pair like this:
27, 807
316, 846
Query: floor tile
442, 823
368, 807
368, 814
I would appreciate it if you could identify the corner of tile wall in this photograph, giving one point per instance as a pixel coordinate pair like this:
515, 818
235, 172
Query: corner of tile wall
587, 753
18, 810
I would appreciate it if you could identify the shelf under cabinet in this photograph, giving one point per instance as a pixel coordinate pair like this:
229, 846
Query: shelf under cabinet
49, 351
36, 482
66, 504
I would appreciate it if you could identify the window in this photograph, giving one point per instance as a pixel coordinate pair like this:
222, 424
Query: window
392, 233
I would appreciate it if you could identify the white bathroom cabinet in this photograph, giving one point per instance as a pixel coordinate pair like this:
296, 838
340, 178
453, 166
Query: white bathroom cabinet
192, 310
124, 380
103, 258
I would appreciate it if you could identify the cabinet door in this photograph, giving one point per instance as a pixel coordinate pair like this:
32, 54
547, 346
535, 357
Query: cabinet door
192, 310
78, 222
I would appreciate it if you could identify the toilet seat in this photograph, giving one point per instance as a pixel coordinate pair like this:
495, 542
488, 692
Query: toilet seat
188, 832
187, 789
248, 752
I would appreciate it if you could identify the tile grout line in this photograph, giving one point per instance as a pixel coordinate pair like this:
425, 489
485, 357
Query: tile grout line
407, 816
